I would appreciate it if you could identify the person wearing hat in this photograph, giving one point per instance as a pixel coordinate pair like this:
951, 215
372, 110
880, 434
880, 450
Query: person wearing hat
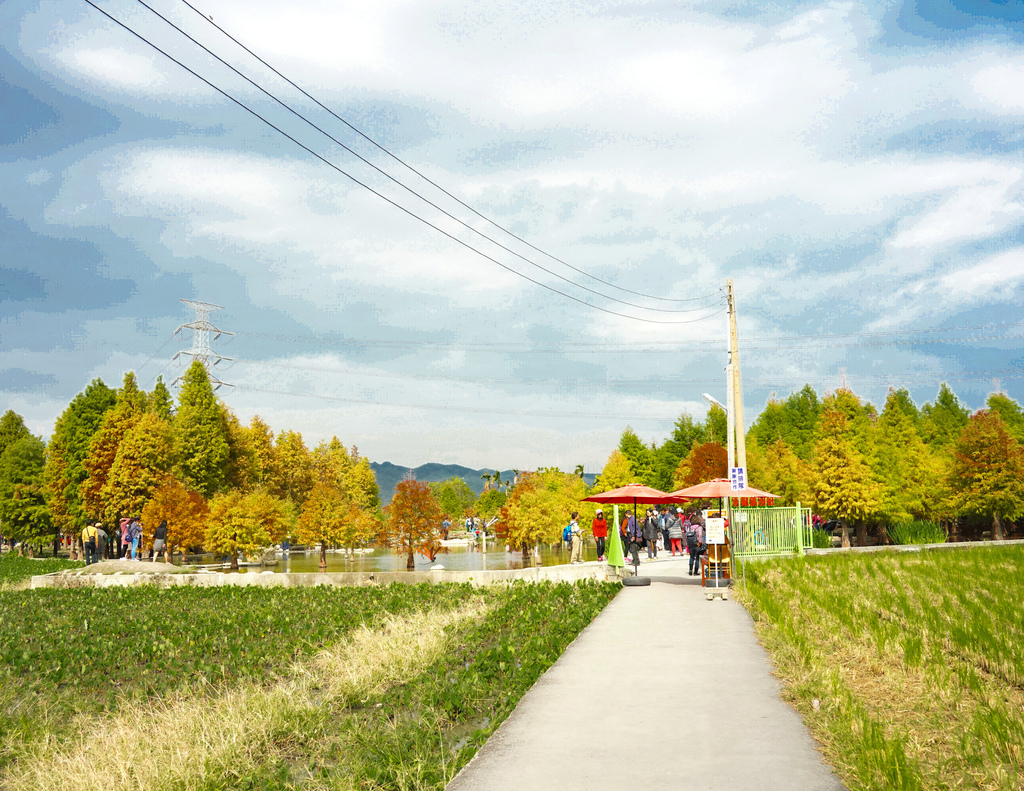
599, 529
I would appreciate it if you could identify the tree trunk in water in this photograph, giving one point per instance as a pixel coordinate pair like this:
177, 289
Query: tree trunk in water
323, 556
883, 535
846, 535
862, 533
234, 560
997, 527
410, 562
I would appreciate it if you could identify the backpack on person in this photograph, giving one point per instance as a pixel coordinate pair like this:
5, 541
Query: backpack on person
690, 530
567, 534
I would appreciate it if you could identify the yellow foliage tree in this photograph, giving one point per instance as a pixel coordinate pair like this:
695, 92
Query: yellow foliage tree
540, 506
245, 523
143, 460
329, 517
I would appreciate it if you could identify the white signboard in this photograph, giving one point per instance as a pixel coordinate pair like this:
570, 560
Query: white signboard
714, 530
738, 478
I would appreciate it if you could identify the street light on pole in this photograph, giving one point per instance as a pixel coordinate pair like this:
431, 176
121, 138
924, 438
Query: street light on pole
730, 445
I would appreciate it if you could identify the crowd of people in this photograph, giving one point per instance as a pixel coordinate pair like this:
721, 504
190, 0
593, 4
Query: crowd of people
96, 542
668, 530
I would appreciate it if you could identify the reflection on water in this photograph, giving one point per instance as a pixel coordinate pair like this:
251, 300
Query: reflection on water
457, 558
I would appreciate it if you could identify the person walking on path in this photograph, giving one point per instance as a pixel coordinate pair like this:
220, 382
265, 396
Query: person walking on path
675, 533
651, 533
663, 519
599, 529
101, 542
577, 539
89, 543
635, 536
125, 543
695, 542
159, 540
134, 536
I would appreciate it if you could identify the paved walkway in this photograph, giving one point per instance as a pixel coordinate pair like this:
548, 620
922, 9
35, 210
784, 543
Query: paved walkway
664, 690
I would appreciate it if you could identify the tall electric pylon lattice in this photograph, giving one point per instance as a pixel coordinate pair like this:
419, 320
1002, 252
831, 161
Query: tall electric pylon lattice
203, 332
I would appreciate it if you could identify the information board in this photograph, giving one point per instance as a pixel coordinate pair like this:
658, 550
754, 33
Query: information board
714, 530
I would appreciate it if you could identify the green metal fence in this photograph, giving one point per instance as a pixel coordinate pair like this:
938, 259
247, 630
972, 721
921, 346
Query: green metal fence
771, 531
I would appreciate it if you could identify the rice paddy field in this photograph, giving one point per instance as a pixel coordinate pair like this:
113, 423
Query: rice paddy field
269, 688
908, 667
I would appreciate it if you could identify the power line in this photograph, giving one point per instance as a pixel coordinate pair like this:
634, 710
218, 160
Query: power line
765, 343
405, 187
653, 381
449, 408
208, 19
383, 197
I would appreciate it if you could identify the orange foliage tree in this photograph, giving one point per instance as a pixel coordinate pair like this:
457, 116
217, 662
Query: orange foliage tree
413, 521
186, 514
704, 462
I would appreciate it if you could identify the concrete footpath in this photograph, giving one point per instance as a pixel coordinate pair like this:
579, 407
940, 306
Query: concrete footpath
664, 690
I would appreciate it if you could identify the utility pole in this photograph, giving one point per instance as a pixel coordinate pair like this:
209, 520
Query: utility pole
735, 390
202, 329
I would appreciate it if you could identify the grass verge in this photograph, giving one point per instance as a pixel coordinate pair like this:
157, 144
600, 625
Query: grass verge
401, 698
906, 668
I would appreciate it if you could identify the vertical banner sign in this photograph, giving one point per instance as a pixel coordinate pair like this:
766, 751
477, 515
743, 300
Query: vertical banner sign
738, 478
714, 530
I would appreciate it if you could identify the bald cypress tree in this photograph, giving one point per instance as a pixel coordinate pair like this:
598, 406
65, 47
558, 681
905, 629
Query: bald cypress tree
845, 488
200, 447
987, 475
94, 491
69, 446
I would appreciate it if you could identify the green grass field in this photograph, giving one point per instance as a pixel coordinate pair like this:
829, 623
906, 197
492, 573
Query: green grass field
908, 667
228, 688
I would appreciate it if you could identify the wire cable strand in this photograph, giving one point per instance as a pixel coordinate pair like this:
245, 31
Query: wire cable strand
405, 210
403, 186
209, 20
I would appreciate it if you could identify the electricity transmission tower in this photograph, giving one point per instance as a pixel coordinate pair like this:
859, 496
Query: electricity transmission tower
203, 332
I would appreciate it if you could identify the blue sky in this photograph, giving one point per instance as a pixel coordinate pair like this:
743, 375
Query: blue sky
855, 168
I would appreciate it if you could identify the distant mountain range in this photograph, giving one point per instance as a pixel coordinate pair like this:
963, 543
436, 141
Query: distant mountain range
388, 476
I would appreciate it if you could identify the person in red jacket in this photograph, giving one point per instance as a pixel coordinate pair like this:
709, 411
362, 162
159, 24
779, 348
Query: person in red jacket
599, 529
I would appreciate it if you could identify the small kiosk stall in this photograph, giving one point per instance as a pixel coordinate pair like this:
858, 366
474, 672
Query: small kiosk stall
716, 571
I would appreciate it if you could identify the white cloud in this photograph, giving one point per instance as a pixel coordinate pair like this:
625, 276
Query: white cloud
1002, 87
997, 276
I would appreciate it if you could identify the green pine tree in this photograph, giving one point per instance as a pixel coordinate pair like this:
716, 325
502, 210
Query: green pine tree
12, 428
911, 475
844, 488
160, 400
200, 446
69, 446
24, 510
641, 458
942, 422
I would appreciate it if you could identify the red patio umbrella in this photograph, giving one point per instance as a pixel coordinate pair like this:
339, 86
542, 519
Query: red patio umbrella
718, 487
630, 493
